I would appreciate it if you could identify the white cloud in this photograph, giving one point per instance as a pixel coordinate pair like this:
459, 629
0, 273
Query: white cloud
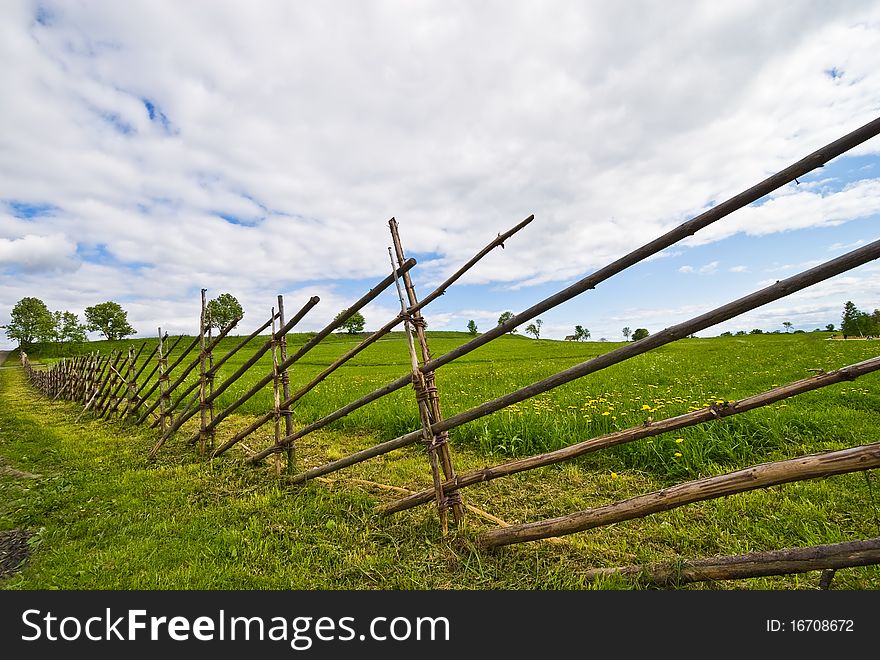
38, 253
706, 269
313, 124
739, 269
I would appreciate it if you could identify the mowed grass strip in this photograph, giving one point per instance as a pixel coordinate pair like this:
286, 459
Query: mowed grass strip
107, 518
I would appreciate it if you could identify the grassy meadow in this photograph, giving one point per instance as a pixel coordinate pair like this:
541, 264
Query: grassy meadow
108, 518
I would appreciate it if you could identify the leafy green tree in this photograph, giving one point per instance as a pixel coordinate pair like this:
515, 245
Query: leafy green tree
639, 333
830, 327
857, 322
850, 322
581, 333
472, 327
354, 324
504, 318
30, 321
740, 333
68, 328
223, 310
726, 334
535, 328
626, 333
109, 319
787, 325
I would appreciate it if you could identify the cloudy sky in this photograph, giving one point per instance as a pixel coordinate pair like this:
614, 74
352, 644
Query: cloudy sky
149, 149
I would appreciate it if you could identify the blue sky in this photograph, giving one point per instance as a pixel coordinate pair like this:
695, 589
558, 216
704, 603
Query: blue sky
152, 149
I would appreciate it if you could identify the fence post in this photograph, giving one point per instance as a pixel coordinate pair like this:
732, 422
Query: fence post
440, 442
130, 384
203, 381
209, 378
276, 394
285, 390
422, 401
163, 381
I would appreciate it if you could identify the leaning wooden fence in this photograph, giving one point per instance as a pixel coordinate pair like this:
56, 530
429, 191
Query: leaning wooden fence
113, 384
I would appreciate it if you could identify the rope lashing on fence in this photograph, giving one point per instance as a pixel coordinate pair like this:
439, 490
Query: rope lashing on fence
747, 303
814, 160
647, 429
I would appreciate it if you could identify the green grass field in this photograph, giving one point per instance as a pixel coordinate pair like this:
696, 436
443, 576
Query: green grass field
111, 519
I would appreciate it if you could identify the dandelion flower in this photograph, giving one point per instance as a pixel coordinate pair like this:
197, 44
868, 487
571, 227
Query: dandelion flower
614, 475
605, 413
677, 454
679, 440
646, 407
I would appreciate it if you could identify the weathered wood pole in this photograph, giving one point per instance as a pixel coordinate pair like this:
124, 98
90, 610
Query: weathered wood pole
773, 292
203, 383
88, 374
423, 402
285, 391
831, 556
108, 383
143, 386
100, 366
855, 459
163, 380
441, 440
170, 369
130, 375
117, 397
209, 378
646, 430
276, 395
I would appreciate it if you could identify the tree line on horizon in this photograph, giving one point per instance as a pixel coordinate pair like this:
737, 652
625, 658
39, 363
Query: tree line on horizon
32, 322
854, 322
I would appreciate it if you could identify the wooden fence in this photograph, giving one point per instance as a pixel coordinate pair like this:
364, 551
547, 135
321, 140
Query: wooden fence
114, 384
